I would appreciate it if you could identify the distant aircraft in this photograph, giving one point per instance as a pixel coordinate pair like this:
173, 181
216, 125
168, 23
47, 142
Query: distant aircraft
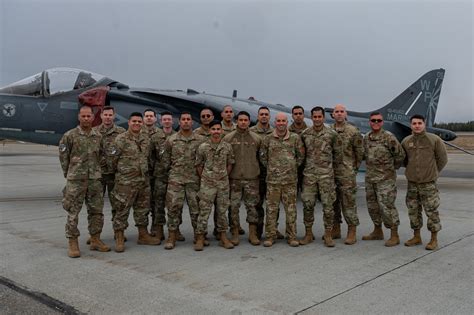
41, 108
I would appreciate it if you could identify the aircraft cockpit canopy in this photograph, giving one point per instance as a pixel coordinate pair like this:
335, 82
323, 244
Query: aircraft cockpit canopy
53, 81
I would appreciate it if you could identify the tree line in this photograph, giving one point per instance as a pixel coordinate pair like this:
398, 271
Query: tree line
456, 126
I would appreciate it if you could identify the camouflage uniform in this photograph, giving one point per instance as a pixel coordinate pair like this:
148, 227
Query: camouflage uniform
383, 156
149, 133
262, 185
214, 159
202, 132
323, 148
132, 183
108, 175
299, 131
161, 176
345, 172
244, 175
281, 157
179, 156
226, 129
425, 157
79, 154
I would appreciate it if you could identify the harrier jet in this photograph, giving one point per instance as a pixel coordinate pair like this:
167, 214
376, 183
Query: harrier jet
41, 108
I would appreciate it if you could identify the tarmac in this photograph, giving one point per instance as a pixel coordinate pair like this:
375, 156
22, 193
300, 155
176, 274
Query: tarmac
36, 276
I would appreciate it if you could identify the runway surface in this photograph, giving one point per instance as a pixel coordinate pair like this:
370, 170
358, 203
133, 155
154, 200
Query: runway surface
38, 277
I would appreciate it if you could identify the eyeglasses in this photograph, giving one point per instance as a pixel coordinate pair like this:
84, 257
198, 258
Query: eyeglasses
376, 121
206, 116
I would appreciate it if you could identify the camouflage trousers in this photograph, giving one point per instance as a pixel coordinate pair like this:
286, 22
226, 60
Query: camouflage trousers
423, 196
262, 191
380, 199
128, 196
346, 190
159, 197
108, 182
74, 194
323, 189
213, 193
175, 195
286, 193
246, 190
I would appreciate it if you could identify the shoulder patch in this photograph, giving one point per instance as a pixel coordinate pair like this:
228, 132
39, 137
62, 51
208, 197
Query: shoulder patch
62, 147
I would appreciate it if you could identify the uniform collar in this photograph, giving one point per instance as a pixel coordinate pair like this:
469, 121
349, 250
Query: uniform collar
286, 137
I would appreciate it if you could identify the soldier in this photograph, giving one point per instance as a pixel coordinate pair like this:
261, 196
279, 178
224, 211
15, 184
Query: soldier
79, 154
345, 174
150, 130
214, 160
383, 156
179, 156
281, 153
161, 175
109, 132
323, 148
227, 115
206, 117
244, 178
425, 157
132, 184
298, 125
263, 128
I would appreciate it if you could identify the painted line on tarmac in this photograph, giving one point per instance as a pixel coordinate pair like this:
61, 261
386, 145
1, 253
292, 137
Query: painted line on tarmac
40, 297
383, 274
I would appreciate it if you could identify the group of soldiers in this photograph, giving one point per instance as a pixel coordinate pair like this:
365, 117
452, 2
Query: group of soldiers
222, 163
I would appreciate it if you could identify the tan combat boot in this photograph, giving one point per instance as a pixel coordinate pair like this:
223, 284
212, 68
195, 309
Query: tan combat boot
308, 237
199, 244
159, 232
433, 244
253, 239
97, 244
415, 240
336, 231
293, 242
394, 240
328, 241
224, 242
73, 250
268, 242
351, 235
146, 239
179, 236
376, 234
171, 241
235, 236
119, 241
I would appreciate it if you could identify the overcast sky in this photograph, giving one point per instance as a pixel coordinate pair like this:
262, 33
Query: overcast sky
360, 53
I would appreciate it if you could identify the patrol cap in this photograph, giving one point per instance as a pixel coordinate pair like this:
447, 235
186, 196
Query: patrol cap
214, 122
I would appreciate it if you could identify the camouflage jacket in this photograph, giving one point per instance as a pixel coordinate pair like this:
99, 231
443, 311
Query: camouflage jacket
281, 157
202, 132
149, 133
179, 157
108, 137
226, 129
383, 156
214, 159
261, 131
296, 130
352, 151
323, 149
79, 154
130, 158
157, 147
426, 156
245, 145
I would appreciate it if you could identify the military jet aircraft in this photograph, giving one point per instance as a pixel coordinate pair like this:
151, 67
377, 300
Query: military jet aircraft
41, 108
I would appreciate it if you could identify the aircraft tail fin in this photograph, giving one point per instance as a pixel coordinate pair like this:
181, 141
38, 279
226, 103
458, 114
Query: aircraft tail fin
420, 98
